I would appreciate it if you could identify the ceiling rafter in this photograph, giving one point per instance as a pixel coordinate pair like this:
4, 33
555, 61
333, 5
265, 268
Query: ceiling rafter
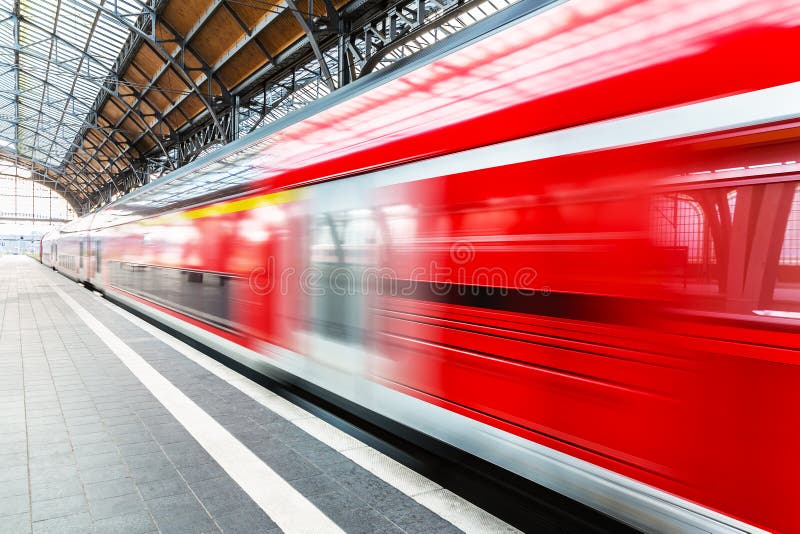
156, 43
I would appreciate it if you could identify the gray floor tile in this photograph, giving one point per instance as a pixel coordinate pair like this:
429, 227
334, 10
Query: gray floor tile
360, 520
61, 507
221, 495
51, 460
14, 505
198, 526
132, 438
90, 449
62, 447
135, 449
150, 459
94, 437
116, 506
103, 473
135, 523
169, 433
176, 509
163, 488
248, 520
15, 524
90, 461
13, 473
79, 523
197, 473
292, 466
35, 440
13, 459
129, 428
119, 418
151, 473
110, 488
417, 519
87, 428
15, 446
12, 488
316, 485
56, 490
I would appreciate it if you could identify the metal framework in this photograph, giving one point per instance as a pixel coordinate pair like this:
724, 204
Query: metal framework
98, 97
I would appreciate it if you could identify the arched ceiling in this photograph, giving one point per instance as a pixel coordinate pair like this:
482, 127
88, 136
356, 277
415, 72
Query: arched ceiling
99, 96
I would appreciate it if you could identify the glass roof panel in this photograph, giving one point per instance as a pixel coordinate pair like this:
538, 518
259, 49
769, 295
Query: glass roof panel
54, 57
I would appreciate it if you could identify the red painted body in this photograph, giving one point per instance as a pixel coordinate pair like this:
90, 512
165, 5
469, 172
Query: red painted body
665, 357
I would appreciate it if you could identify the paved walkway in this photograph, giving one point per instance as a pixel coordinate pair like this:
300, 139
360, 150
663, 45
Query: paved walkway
109, 425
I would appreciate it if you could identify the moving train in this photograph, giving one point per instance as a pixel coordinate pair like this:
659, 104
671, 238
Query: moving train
565, 240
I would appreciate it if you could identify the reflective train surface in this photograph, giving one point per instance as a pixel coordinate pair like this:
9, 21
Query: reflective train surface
566, 241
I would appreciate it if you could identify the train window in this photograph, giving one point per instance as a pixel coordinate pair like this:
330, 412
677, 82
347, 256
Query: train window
97, 256
785, 300
81, 250
192, 294
730, 249
204, 296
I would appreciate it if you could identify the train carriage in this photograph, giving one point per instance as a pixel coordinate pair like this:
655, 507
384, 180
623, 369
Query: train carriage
567, 242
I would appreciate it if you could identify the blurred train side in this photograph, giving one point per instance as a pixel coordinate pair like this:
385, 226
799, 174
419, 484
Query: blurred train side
561, 249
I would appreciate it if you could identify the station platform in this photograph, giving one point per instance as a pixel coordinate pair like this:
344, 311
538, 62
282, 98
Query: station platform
111, 425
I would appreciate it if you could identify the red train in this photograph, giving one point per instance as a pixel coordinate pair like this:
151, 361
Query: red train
569, 246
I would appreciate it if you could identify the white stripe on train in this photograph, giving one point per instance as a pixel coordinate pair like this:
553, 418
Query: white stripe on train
764, 106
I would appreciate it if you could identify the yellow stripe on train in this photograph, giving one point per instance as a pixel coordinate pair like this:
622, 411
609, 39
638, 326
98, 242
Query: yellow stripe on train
234, 206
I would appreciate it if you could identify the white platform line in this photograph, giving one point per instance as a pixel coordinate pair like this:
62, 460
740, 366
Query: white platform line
444, 503
280, 501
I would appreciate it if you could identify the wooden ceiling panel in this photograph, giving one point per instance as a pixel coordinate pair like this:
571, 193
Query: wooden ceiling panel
144, 146
88, 145
147, 109
130, 125
160, 129
167, 39
282, 32
136, 77
109, 151
244, 63
184, 14
192, 106
94, 165
94, 136
121, 139
175, 119
251, 14
130, 100
195, 66
112, 110
159, 99
216, 37
147, 61
171, 85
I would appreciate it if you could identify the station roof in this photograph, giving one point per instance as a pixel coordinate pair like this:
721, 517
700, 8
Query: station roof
98, 97
89, 86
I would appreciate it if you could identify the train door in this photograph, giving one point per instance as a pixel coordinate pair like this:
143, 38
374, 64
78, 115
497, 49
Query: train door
82, 267
342, 239
96, 278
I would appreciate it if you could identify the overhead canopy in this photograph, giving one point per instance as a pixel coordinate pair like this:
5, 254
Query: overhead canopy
54, 59
99, 96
